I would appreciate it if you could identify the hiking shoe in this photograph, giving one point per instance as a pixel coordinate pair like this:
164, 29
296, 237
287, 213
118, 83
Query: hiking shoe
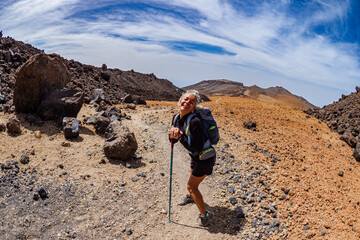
187, 199
204, 220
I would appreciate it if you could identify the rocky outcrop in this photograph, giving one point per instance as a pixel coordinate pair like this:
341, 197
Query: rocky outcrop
343, 116
120, 143
39, 76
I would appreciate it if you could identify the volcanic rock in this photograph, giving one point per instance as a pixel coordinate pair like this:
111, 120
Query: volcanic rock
98, 95
101, 123
250, 125
120, 143
71, 127
13, 126
128, 99
60, 104
356, 153
40, 75
2, 127
24, 159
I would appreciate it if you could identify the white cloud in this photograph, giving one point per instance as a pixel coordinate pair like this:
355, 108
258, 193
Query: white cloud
271, 47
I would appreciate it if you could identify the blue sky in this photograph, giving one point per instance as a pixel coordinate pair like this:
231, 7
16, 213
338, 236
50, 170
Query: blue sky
310, 47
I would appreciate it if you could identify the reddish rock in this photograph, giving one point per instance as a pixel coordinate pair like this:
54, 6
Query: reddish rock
120, 143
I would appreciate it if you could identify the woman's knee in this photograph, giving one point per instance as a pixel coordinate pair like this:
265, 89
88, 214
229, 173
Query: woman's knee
191, 188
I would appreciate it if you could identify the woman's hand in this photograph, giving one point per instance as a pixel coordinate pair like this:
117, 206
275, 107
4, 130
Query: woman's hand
175, 133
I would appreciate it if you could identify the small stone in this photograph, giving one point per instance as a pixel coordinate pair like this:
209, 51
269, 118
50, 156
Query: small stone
341, 173
233, 200
231, 190
37, 134
42, 193
24, 159
36, 197
65, 144
134, 179
13, 126
306, 228
2, 127
128, 231
239, 213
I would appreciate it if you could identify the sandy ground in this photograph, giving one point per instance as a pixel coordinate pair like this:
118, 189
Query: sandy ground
115, 198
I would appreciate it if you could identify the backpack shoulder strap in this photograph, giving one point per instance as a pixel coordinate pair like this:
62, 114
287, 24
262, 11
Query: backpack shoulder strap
174, 119
187, 129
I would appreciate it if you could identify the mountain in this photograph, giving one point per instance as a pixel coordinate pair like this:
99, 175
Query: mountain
115, 82
223, 87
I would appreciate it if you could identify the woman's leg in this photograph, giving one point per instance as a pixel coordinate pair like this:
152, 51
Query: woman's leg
192, 186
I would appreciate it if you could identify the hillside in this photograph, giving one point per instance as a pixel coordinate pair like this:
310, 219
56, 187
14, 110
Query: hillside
115, 82
293, 178
225, 87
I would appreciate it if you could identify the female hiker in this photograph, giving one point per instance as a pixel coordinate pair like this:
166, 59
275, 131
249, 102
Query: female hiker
199, 168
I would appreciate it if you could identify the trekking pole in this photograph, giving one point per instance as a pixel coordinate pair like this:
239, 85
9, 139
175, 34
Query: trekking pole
171, 165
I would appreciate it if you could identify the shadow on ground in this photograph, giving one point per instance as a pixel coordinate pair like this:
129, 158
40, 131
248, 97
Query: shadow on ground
224, 221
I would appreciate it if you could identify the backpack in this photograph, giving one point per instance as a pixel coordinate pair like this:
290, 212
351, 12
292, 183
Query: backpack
210, 126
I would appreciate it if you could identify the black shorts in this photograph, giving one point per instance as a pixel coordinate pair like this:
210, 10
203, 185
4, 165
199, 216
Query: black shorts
202, 167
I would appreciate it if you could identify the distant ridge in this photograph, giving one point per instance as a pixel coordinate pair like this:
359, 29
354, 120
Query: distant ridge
115, 82
224, 87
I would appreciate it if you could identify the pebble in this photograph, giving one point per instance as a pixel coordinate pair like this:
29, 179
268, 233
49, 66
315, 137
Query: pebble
128, 231
24, 159
231, 190
134, 179
233, 200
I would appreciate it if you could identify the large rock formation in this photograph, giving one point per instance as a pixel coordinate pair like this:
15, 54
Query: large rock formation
120, 143
38, 77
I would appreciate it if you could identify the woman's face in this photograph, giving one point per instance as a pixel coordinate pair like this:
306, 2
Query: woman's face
187, 104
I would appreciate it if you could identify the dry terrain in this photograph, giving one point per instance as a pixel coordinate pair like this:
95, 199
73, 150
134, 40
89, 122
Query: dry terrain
293, 178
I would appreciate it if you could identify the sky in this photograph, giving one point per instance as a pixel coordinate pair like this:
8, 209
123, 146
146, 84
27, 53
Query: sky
309, 47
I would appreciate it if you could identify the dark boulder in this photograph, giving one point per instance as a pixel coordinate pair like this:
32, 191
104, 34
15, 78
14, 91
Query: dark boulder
120, 143
71, 127
60, 104
38, 77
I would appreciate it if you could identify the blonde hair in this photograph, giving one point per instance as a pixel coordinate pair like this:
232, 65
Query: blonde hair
192, 92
